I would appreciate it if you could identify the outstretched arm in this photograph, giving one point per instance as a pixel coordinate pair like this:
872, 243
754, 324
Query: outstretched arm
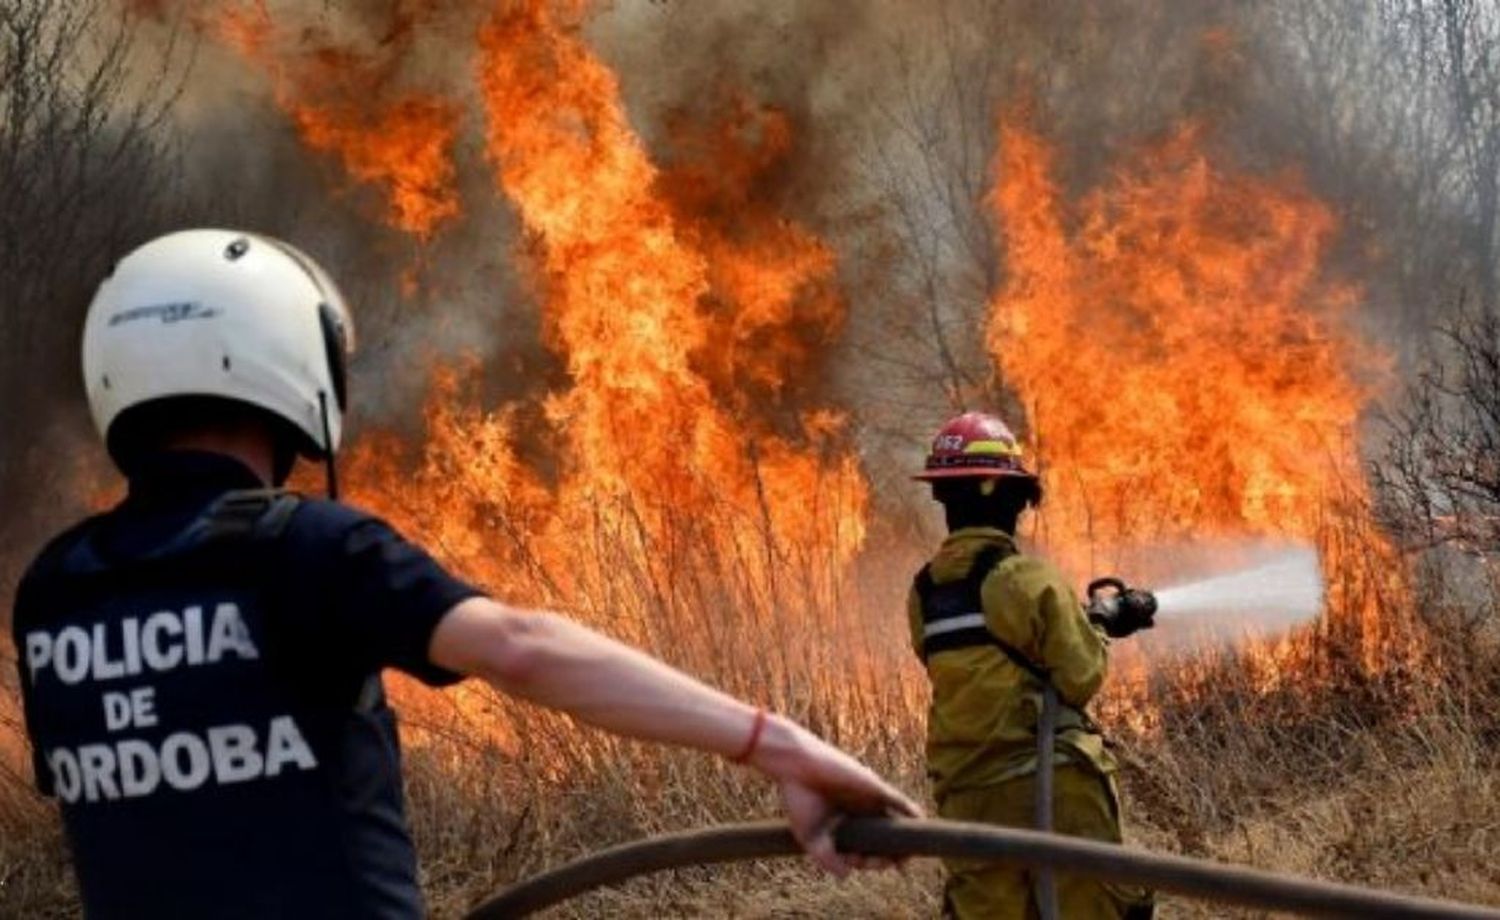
1051, 626
556, 662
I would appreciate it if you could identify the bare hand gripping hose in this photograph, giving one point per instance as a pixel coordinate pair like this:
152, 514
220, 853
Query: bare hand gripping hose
1196, 878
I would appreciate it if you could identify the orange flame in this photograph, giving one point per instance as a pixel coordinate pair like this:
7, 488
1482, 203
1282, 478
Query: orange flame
678, 474
774, 301
1187, 367
336, 98
626, 281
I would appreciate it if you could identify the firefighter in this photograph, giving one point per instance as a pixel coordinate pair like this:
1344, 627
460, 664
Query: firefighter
993, 626
200, 665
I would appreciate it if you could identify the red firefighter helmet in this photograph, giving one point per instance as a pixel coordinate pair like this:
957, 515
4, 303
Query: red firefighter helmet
974, 444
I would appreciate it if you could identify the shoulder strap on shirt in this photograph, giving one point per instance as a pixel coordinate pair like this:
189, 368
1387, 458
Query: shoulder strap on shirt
249, 515
984, 563
254, 515
262, 515
972, 585
259, 514
980, 567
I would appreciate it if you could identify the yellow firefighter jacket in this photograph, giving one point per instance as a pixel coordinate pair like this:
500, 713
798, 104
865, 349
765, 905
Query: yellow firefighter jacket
981, 729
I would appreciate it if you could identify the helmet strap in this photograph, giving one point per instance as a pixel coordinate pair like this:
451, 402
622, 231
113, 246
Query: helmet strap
330, 468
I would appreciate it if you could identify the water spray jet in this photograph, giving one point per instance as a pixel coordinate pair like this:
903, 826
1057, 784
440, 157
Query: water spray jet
1279, 593
1272, 595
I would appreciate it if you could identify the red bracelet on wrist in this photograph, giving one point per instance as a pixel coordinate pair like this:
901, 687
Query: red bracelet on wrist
755, 732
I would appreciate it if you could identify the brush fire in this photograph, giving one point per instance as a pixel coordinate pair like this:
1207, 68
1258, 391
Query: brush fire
1177, 337
1189, 368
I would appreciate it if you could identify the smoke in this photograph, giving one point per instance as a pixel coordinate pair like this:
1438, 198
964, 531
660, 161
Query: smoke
415, 300
891, 108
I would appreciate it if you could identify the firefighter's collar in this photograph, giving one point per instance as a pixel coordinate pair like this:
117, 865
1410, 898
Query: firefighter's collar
985, 534
980, 536
185, 475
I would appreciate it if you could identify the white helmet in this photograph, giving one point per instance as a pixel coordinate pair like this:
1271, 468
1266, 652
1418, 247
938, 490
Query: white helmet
220, 313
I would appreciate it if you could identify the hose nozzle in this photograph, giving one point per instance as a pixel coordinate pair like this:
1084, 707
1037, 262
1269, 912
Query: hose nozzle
1118, 608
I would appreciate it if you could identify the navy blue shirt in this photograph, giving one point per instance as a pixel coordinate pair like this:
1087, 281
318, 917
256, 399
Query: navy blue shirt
208, 711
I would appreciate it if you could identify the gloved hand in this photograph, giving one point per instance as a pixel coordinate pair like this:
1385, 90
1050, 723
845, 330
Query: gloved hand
1137, 611
1119, 610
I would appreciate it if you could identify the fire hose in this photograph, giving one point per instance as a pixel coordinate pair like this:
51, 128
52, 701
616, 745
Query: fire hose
1046, 736
1120, 611
897, 837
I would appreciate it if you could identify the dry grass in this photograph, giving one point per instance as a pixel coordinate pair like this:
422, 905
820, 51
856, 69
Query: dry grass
1374, 783
1370, 784
1385, 778
1371, 780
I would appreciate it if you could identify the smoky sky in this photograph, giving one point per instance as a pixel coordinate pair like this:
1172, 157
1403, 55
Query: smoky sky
893, 107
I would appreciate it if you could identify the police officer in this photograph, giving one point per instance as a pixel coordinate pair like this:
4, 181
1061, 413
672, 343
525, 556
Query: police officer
200, 665
995, 627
